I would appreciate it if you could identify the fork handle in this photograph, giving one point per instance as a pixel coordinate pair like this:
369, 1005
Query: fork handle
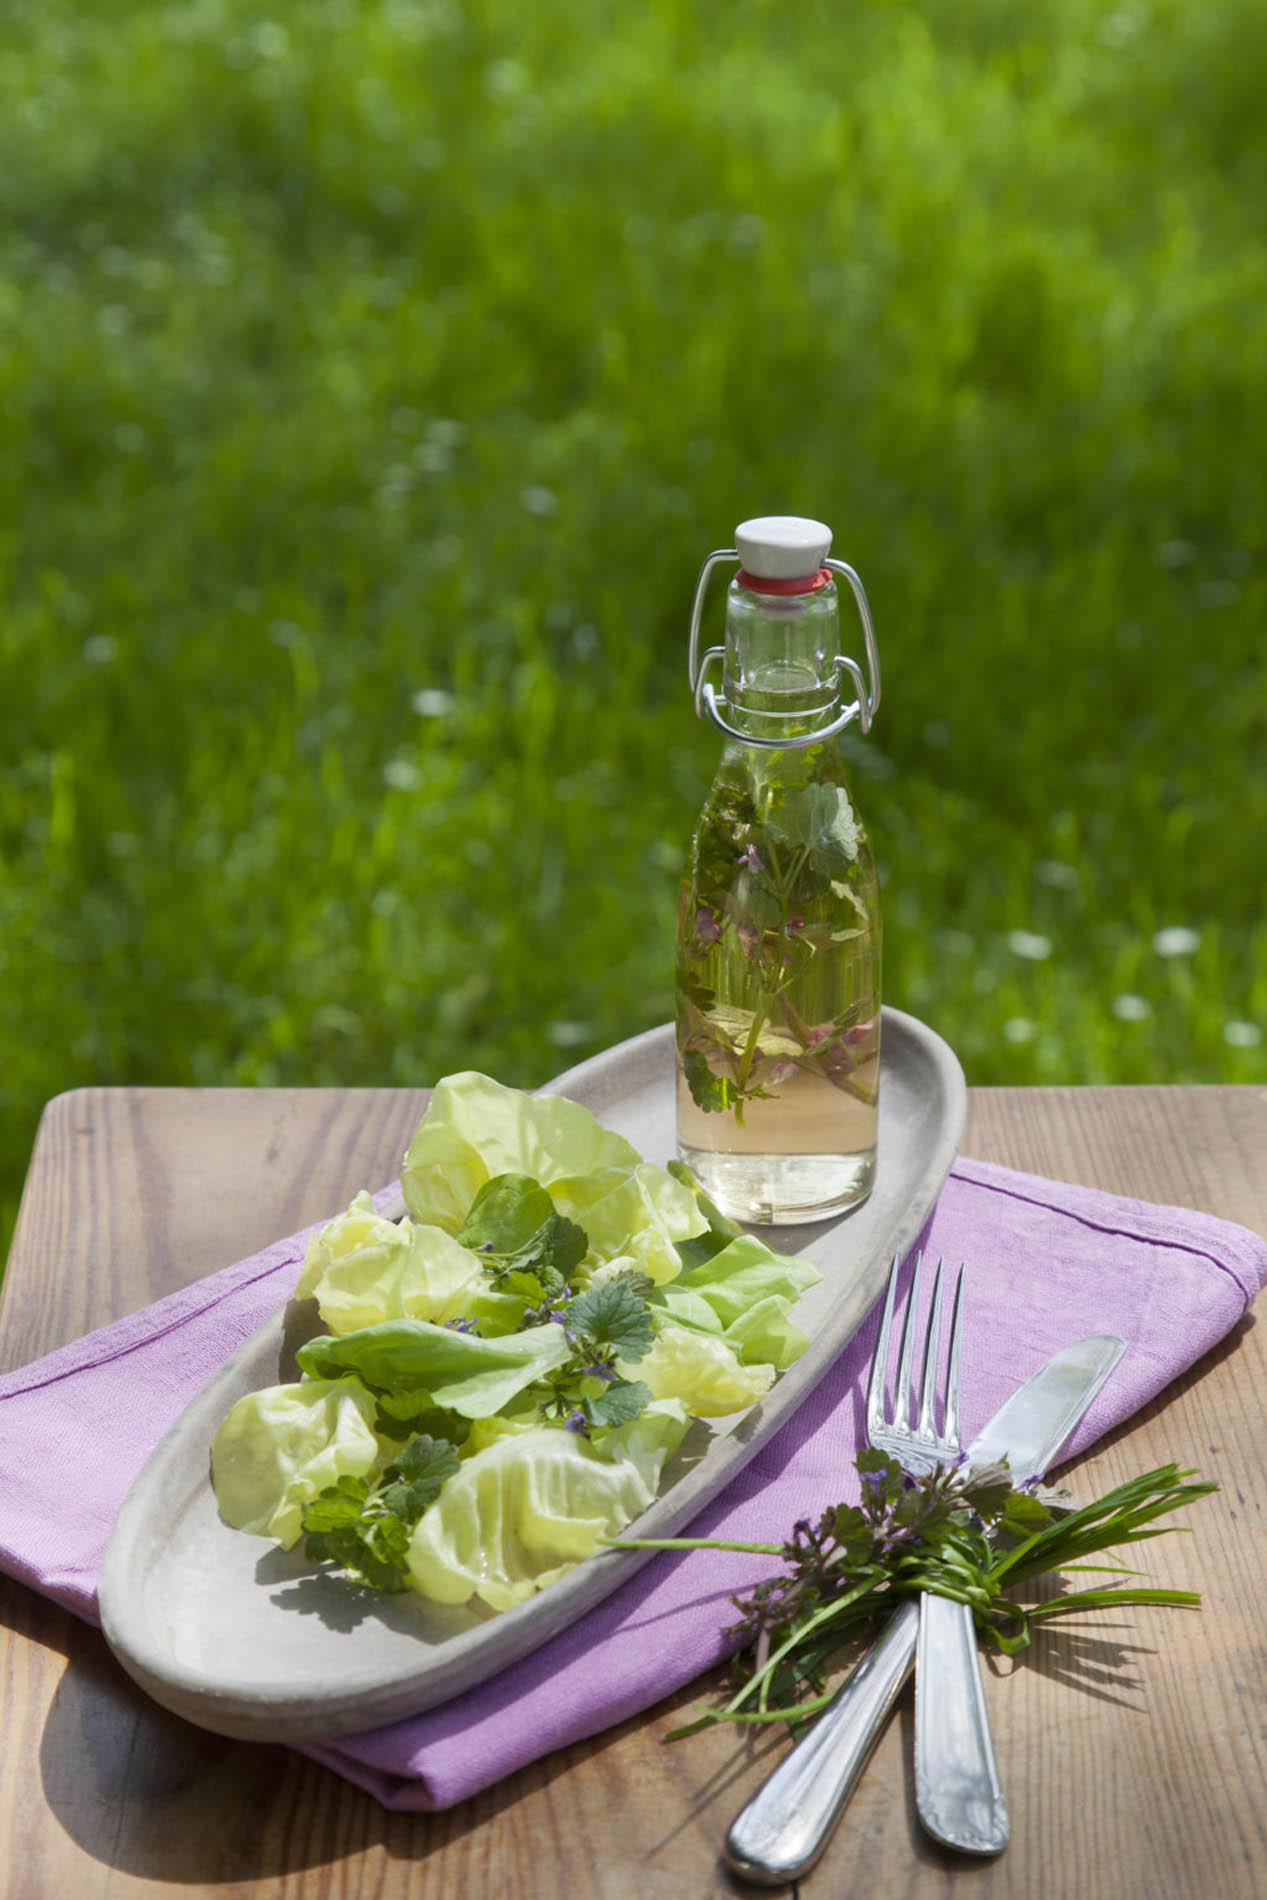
785, 1827
957, 1788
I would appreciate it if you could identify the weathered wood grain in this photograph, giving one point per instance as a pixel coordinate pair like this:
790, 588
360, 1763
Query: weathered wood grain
1132, 1748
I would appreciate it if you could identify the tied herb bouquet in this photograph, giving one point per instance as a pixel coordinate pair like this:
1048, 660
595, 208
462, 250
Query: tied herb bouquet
967, 1534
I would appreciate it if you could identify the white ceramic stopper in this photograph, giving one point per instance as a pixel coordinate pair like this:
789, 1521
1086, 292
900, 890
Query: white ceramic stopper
782, 547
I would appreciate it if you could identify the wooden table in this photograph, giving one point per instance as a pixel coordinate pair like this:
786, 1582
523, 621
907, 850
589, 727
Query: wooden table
1133, 1748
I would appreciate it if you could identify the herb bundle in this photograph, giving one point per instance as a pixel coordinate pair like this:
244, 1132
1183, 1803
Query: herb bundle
967, 1534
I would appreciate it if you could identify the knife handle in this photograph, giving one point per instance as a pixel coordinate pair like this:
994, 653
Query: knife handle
957, 1788
785, 1827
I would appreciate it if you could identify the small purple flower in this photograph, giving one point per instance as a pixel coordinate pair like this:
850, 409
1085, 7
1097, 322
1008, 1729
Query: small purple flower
795, 925
575, 1422
821, 1032
601, 1370
461, 1325
750, 858
707, 928
859, 1034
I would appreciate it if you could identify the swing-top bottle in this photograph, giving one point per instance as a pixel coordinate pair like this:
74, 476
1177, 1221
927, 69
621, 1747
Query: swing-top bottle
778, 937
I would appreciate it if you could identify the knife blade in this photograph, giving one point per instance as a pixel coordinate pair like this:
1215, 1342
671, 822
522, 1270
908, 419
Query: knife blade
783, 1830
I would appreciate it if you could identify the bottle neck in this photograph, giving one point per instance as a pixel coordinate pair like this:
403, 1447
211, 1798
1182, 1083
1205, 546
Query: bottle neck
780, 676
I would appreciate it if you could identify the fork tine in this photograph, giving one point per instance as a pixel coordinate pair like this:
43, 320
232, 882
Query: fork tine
880, 1357
951, 1427
932, 1351
904, 1392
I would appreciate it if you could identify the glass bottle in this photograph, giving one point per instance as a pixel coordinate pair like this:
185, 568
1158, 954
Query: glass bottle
778, 935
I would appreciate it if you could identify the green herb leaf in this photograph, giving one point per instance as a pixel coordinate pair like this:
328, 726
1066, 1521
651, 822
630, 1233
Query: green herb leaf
621, 1401
415, 1478
614, 1317
818, 818
339, 1505
516, 1227
364, 1529
505, 1214
713, 1093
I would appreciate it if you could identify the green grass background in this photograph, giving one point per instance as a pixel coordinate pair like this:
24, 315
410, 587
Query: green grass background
374, 378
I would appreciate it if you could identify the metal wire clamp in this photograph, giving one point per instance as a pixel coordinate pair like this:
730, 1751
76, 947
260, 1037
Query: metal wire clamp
708, 700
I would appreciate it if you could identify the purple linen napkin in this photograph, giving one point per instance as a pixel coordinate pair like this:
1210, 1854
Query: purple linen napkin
1048, 1263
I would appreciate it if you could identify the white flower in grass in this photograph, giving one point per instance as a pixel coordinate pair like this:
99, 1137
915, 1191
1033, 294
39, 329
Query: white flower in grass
402, 775
1177, 940
1019, 1029
1029, 944
1131, 1009
1240, 1035
568, 1035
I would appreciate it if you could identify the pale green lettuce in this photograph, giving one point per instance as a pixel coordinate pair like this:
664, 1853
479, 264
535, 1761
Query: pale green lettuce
277, 1449
700, 1369
359, 1230
362, 1270
636, 1215
744, 1294
475, 1128
522, 1511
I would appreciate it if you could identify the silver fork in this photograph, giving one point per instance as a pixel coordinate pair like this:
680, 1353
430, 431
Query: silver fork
784, 1829
957, 1788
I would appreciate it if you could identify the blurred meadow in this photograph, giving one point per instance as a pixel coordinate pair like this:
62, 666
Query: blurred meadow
375, 376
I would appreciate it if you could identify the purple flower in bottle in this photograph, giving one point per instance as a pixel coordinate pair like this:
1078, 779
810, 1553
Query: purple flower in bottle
707, 928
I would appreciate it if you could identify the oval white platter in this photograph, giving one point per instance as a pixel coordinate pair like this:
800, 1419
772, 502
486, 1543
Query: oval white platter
248, 1640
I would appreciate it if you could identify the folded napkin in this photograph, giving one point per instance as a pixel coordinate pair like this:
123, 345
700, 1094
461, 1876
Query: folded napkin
1048, 1263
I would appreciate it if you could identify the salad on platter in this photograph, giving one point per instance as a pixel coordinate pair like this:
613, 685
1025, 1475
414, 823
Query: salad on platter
505, 1372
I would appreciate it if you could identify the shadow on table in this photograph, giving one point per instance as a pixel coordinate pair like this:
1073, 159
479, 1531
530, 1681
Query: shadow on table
146, 1793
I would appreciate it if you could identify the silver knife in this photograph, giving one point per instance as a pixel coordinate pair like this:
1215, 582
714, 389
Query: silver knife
783, 1830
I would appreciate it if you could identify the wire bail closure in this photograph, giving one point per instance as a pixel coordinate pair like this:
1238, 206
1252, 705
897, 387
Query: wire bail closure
709, 701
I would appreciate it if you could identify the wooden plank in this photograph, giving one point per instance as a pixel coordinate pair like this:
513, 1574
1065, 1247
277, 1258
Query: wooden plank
1132, 1747
132, 1193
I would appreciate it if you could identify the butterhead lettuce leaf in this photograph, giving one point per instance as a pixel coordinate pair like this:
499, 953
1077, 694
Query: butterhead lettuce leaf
744, 1294
525, 1509
475, 1128
276, 1449
360, 1230
362, 1270
634, 1214
700, 1369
